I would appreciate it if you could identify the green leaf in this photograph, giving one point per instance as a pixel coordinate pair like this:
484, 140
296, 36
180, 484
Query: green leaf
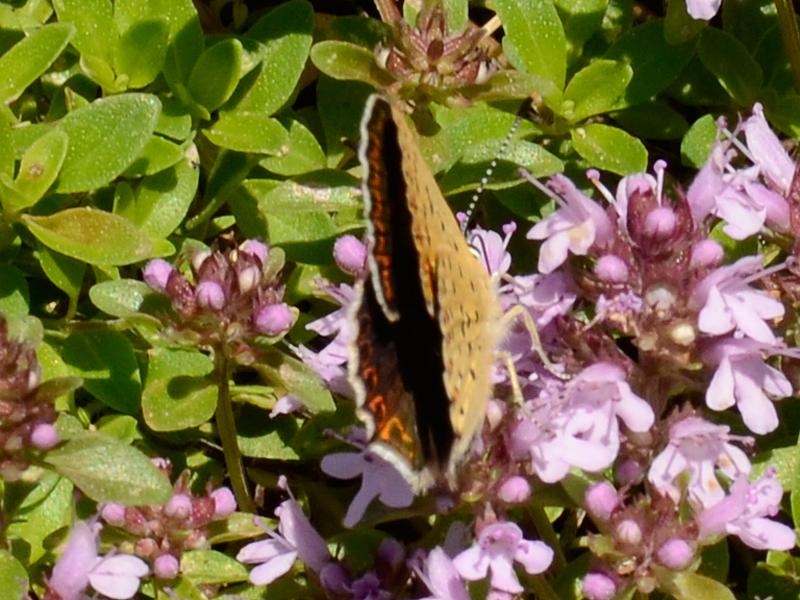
65, 273
732, 65
679, 27
581, 20
40, 166
285, 33
298, 379
178, 393
96, 33
30, 57
91, 235
163, 199
141, 51
108, 470
105, 138
44, 510
125, 297
696, 144
343, 60
157, 155
301, 154
14, 294
13, 577
595, 89
610, 149
655, 63
262, 437
211, 567
534, 40
216, 73
7, 157
248, 132
691, 586
106, 362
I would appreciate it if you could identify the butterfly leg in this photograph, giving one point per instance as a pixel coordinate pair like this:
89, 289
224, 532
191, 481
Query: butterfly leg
519, 312
513, 376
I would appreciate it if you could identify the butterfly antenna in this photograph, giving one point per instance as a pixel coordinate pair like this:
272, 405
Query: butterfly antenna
487, 176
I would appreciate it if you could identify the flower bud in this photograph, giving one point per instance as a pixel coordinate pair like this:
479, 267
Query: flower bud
675, 554
599, 586
601, 499
706, 253
350, 254
255, 248
179, 506
44, 436
156, 274
209, 294
224, 502
629, 532
274, 319
660, 223
113, 514
628, 472
145, 547
514, 490
611, 269
335, 579
166, 566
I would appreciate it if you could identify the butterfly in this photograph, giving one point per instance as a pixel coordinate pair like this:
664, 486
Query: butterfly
426, 319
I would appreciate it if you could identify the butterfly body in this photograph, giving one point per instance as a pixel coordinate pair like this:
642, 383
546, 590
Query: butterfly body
427, 319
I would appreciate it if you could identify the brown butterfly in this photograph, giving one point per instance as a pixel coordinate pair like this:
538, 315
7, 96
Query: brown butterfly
427, 319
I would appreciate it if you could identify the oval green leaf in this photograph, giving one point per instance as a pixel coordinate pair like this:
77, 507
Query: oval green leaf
30, 57
105, 138
216, 73
343, 60
248, 132
595, 89
211, 567
125, 297
302, 154
163, 199
93, 236
535, 41
696, 144
13, 576
610, 149
106, 362
108, 470
141, 51
178, 393
40, 166
733, 66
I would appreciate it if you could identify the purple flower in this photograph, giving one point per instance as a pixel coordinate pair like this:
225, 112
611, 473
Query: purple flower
743, 513
767, 151
274, 319
727, 302
498, 546
577, 426
286, 405
702, 9
350, 254
114, 575
442, 578
575, 227
156, 274
379, 479
601, 499
296, 537
742, 377
675, 554
599, 586
492, 249
224, 502
699, 448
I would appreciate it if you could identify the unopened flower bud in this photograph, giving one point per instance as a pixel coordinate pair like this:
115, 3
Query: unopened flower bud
198, 258
248, 278
611, 269
44, 436
391, 553
209, 294
514, 490
629, 472
274, 319
601, 499
495, 411
675, 554
156, 274
706, 253
166, 566
335, 579
255, 248
224, 502
146, 547
113, 514
660, 223
629, 532
179, 506
599, 586
350, 254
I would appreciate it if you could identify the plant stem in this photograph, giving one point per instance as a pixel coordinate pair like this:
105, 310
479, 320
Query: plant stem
226, 427
787, 21
545, 529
